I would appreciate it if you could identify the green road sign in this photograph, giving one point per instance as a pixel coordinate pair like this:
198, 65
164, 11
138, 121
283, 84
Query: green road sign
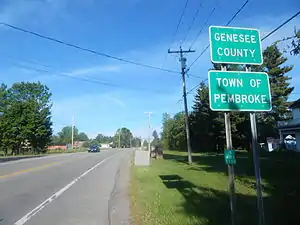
239, 91
229, 156
235, 45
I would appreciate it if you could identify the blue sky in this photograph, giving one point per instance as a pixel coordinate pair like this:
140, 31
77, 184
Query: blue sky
137, 30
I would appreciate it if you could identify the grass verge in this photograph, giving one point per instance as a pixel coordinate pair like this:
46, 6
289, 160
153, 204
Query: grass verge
49, 152
172, 192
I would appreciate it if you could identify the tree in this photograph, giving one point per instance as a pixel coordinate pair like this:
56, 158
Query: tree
65, 135
155, 140
136, 142
55, 140
145, 143
26, 117
207, 126
3, 96
123, 138
293, 42
166, 121
173, 134
104, 139
155, 135
280, 89
82, 137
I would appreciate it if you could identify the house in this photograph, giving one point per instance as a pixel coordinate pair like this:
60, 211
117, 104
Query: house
291, 128
57, 147
106, 145
78, 144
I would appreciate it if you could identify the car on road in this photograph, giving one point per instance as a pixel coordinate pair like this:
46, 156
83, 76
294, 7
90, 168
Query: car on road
94, 148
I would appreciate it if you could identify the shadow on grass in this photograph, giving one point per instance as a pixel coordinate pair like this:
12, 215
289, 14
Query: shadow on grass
280, 173
212, 205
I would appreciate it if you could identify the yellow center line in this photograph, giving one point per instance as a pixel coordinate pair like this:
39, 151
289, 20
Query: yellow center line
28, 170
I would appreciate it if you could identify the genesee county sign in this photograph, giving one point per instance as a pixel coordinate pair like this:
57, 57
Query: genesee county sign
239, 91
235, 45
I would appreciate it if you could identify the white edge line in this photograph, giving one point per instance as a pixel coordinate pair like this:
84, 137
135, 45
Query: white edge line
37, 209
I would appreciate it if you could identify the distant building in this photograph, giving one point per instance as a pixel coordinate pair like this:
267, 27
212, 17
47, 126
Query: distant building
78, 144
57, 147
291, 128
106, 145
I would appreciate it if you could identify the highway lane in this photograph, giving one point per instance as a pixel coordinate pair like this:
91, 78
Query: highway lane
66, 189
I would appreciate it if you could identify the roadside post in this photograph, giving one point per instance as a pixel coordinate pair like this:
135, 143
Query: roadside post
238, 91
256, 162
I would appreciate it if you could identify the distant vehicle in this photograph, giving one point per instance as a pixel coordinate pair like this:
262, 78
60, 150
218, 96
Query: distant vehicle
94, 148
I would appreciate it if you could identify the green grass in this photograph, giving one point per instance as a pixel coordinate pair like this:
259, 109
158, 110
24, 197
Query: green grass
201, 197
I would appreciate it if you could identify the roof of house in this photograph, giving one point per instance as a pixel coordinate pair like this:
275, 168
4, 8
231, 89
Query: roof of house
295, 104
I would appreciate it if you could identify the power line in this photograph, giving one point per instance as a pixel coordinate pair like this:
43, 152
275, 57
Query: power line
227, 24
92, 51
281, 25
262, 39
205, 49
94, 81
180, 21
237, 12
176, 30
193, 21
86, 49
191, 90
265, 37
206, 22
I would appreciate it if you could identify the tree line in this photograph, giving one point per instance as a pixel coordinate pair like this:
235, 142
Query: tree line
207, 126
123, 138
25, 118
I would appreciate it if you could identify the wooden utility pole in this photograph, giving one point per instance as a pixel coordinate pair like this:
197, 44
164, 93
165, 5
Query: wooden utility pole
73, 124
186, 113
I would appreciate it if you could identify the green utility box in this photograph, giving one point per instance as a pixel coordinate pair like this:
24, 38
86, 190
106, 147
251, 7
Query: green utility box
229, 156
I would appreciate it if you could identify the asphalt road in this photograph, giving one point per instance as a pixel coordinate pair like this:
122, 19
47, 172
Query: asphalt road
80, 188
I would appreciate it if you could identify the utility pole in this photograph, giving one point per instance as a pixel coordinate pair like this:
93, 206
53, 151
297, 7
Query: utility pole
73, 124
130, 142
186, 113
149, 130
119, 138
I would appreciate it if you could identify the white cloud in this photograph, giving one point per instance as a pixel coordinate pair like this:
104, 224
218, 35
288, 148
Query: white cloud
153, 55
16, 11
81, 103
116, 101
94, 70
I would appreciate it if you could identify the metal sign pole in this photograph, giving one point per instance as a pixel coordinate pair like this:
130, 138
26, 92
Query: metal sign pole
256, 163
230, 166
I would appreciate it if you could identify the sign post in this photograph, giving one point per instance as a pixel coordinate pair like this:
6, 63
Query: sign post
230, 164
238, 91
256, 162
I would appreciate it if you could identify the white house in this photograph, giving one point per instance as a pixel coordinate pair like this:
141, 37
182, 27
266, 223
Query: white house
106, 145
291, 127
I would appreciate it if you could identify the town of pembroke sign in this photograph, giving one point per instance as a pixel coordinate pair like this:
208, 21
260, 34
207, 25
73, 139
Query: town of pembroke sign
235, 45
239, 91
